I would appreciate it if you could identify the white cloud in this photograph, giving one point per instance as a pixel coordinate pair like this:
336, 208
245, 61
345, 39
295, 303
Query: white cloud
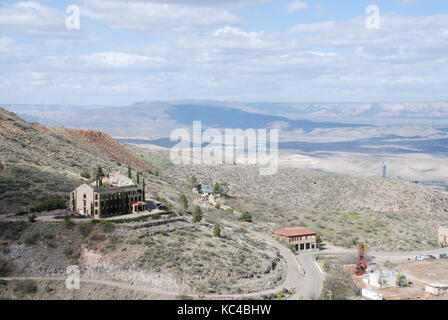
147, 15
32, 17
297, 6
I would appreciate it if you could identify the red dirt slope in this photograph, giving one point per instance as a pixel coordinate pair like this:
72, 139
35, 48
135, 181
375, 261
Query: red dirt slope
100, 143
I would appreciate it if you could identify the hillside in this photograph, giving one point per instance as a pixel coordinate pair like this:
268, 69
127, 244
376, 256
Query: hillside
39, 163
100, 143
387, 213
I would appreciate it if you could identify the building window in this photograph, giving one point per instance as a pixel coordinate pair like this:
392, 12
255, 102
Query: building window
96, 197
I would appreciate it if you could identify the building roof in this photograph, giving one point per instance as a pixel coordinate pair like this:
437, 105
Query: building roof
294, 232
438, 285
140, 203
109, 189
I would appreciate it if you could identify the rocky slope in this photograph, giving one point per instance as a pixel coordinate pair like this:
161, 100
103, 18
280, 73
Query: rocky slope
390, 214
39, 163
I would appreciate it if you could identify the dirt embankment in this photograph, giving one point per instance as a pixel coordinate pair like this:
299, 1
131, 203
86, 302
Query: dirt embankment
100, 143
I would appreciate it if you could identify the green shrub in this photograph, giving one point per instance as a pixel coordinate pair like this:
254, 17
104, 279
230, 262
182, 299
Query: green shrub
197, 215
32, 218
217, 231
68, 221
107, 226
245, 217
26, 287
49, 205
155, 216
86, 175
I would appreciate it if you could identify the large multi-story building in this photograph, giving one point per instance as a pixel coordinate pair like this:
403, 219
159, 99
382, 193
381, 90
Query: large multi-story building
121, 196
301, 238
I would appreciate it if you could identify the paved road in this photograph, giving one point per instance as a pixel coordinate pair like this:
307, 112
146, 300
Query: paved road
312, 286
314, 277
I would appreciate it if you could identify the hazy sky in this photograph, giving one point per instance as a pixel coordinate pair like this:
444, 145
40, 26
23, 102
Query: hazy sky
249, 50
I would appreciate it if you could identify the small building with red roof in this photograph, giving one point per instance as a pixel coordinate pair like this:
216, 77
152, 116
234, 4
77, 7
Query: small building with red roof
302, 239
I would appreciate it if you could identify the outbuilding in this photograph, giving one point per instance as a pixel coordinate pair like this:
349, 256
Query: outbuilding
302, 239
437, 289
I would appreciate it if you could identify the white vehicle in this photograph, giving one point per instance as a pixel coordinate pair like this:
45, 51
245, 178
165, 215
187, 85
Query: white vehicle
424, 257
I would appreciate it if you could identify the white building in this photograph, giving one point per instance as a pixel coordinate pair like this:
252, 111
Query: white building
371, 294
437, 289
382, 279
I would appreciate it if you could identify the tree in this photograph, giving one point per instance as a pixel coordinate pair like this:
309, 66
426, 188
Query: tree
183, 201
217, 189
129, 172
245, 217
99, 176
143, 187
32, 218
193, 182
217, 231
85, 175
138, 177
318, 239
197, 215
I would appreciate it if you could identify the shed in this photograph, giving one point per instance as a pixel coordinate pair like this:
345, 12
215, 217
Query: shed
437, 289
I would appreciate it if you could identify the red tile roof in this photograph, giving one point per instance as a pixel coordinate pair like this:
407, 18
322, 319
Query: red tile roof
140, 203
294, 232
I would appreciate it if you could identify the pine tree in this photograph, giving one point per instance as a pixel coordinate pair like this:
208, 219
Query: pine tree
197, 215
183, 202
217, 231
138, 177
99, 176
144, 195
129, 172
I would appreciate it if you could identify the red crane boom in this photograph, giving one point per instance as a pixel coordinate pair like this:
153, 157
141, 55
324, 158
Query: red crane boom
361, 267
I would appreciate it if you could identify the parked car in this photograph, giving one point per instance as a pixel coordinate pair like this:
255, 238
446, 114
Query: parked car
424, 257
161, 207
443, 256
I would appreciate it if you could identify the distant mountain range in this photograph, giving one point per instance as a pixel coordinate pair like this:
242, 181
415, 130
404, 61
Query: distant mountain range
156, 120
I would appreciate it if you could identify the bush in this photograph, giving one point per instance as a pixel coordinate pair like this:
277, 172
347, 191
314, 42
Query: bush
107, 226
217, 231
197, 215
85, 174
245, 217
68, 221
85, 228
31, 237
26, 287
32, 218
49, 205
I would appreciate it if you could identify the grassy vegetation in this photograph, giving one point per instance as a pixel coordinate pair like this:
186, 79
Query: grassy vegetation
338, 284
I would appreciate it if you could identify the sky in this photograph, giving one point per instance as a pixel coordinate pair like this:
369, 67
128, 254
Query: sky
232, 50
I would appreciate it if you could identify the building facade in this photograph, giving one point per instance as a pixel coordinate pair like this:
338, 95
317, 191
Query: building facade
107, 201
301, 238
443, 236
